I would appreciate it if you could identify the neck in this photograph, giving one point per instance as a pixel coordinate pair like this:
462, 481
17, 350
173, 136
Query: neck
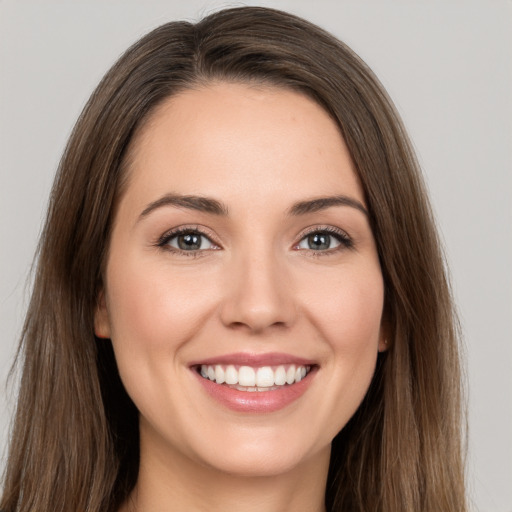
174, 482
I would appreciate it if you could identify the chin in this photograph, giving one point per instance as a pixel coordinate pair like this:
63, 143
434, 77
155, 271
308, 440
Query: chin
264, 454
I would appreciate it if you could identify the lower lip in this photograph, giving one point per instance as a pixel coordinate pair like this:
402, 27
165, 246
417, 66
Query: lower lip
257, 401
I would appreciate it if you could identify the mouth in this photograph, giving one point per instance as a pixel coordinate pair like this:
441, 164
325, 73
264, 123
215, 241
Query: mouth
254, 379
255, 384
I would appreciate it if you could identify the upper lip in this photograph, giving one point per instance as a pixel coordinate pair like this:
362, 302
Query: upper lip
255, 360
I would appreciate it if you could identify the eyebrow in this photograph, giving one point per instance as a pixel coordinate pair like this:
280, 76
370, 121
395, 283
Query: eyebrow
215, 207
198, 203
322, 203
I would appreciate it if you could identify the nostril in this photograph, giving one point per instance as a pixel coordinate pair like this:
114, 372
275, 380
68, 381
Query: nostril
258, 297
256, 327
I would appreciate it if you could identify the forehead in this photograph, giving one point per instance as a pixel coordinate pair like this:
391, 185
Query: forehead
226, 138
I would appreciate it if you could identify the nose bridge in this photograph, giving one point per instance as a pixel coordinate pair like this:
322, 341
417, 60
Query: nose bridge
258, 295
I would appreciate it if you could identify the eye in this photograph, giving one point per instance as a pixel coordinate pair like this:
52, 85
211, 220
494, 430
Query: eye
324, 240
187, 240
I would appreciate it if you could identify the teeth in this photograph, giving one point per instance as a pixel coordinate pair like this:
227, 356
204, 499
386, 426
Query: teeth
280, 376
247, 378
231, 375
265, 377
290, 375
219, 374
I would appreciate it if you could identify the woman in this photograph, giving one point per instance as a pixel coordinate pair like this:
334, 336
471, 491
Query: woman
240, 298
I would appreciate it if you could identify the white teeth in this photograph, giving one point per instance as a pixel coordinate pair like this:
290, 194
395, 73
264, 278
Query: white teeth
280, 376
247, 378
290, 375
231, 375
219, 374
264, 377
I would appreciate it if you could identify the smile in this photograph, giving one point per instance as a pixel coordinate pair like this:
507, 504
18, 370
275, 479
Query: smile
248, 383
254, 379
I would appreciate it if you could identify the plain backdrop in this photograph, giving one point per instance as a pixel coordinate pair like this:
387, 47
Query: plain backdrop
447, 65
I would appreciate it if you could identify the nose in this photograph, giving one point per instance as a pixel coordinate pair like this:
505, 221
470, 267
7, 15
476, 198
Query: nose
258, 295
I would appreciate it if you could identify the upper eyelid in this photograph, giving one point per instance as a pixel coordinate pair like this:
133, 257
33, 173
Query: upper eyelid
344, 239
214, 238
323, 228
202, 230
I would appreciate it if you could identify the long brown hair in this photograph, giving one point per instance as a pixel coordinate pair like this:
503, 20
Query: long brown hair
74, 443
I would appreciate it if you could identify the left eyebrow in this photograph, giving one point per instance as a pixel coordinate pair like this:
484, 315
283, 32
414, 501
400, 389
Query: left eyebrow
322, 203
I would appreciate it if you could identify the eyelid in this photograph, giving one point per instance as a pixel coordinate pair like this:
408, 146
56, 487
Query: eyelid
163, 240
341, 235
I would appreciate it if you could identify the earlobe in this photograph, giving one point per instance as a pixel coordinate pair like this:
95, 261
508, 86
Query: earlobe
383, 344
101, 320
384, 337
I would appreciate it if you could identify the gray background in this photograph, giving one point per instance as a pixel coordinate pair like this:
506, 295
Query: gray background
447, 65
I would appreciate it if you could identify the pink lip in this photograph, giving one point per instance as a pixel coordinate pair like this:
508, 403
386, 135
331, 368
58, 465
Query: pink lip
255, 360
257, 401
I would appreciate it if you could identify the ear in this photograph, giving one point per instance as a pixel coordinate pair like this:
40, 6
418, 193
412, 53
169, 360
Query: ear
101, 319
384, 337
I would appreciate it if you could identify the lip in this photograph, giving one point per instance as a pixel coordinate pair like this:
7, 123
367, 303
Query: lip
255, 360
257, 402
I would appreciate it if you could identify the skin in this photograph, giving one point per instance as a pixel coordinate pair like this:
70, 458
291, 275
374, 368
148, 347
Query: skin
256, 288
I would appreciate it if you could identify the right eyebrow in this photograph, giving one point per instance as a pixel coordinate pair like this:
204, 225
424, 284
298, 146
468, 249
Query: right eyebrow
198, 203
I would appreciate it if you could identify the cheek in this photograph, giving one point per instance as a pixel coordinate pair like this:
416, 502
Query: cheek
153, 312
152, 308
349, 324
347, 309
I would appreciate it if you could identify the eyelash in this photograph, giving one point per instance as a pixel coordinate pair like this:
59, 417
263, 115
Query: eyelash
163, 241
345, 242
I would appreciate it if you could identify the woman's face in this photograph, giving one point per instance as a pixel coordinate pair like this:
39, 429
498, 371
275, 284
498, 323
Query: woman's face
243, 292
